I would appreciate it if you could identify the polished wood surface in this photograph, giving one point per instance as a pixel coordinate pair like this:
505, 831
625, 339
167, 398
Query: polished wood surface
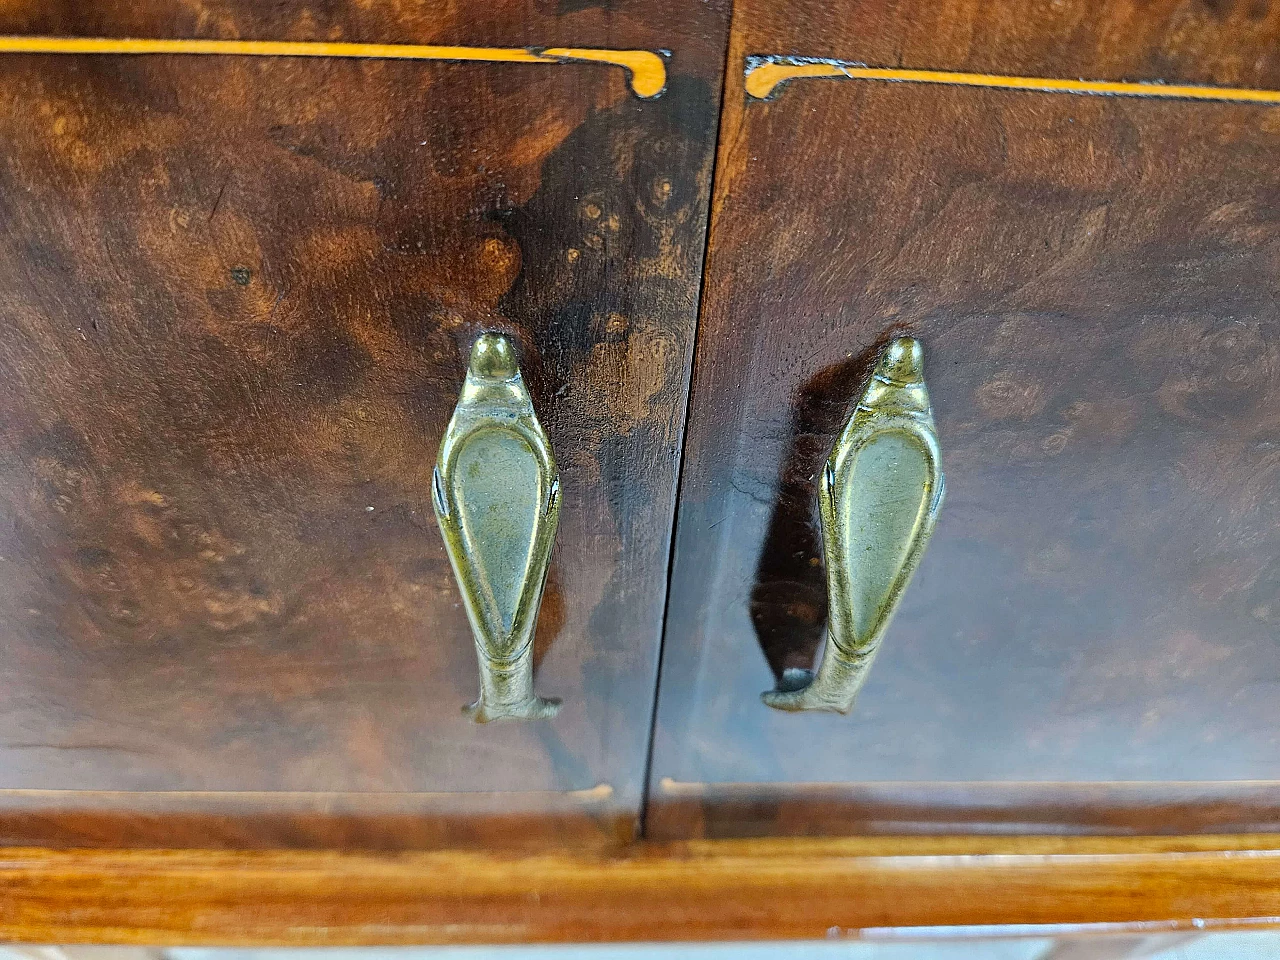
238, 295
1090, 641
978, 808
729, 890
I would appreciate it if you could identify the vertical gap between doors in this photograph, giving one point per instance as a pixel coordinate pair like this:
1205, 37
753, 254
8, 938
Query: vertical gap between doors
726, 77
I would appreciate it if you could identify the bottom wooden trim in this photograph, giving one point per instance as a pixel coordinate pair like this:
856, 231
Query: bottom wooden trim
265, 820
704, 890
681, 810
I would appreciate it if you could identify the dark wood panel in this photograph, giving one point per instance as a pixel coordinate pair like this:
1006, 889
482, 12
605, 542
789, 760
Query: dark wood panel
1094, 281
729, 890
238, 296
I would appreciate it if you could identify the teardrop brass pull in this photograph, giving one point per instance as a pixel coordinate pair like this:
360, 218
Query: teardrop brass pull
879, 500
497, 498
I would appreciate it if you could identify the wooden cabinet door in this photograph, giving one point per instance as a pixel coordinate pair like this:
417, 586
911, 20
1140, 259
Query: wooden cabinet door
237, 294
1090, 642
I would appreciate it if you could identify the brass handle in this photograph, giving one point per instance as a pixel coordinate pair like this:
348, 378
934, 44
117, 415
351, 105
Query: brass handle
497, 499
879, 500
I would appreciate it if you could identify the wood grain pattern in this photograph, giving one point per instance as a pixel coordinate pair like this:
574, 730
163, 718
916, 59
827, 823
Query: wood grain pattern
733, 890
237, 299
977, 808
1094, 281
269, 819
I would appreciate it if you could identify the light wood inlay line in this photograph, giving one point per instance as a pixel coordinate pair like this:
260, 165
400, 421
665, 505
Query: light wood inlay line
601, 791
766, 76
698, 787
647, 71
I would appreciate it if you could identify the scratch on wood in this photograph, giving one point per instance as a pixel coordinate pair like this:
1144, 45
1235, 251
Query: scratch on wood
218, 200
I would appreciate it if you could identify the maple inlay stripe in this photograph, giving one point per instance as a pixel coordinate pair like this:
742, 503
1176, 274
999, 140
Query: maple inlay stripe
765, 77
647, 71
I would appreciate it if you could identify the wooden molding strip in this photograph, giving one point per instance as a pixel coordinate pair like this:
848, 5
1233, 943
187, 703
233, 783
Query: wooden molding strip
682, 809
713, 890
245, 819
646, 70
767, 76
291, 799
675, 787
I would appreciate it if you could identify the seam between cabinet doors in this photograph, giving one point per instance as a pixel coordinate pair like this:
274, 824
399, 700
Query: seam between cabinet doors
713, 176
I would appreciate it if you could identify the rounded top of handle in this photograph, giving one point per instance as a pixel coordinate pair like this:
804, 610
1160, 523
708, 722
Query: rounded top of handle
903, 361
493, 358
